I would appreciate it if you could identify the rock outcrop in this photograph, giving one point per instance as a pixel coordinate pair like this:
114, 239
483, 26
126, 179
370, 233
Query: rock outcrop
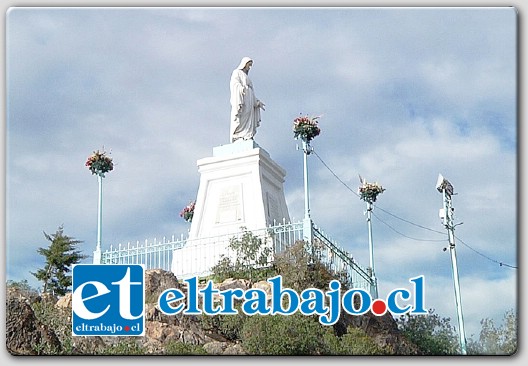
27, 335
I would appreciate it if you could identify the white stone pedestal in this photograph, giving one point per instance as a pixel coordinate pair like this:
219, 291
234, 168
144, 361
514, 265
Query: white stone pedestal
240, 186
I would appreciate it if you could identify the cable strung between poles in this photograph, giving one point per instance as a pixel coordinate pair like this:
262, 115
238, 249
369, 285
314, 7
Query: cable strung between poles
502, 264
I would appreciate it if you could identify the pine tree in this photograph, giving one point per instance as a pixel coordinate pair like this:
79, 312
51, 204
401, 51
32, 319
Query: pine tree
60, 256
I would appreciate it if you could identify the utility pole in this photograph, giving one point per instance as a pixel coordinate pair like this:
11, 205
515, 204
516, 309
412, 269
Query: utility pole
374, 285
446, 213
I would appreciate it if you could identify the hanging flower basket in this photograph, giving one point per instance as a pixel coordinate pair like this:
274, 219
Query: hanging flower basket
369, 192
188, 212
306, 128
99, 163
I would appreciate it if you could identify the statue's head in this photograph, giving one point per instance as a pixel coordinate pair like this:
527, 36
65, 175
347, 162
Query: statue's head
245, 63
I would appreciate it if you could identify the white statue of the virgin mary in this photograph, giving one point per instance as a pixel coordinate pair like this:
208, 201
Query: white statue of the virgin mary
245, 107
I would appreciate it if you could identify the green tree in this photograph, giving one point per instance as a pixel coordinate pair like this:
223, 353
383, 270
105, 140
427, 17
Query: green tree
493, 340
251, 253
432, 334
60, 256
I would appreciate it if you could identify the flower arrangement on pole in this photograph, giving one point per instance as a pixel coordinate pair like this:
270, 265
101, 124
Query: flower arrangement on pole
99, 163
188, 211
306, 128
369, 192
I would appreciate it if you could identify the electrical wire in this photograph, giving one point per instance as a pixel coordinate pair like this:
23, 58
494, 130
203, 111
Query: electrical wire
334, 174
406, 236
410, 222
485, 256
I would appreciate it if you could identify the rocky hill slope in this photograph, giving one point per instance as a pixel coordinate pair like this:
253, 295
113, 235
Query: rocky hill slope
42, 325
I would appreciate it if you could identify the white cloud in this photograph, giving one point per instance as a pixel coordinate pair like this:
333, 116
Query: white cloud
405, 95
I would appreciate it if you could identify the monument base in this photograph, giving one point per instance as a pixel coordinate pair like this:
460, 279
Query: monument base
240, 187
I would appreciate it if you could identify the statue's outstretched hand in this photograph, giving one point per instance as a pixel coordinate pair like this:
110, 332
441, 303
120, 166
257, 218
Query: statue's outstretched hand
261, 105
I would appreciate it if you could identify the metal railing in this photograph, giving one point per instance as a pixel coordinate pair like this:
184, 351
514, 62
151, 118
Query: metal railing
340, 262
153, 254
197, 256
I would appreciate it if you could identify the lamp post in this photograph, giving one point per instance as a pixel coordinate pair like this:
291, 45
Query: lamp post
306, 128
307, 222
446, 188
99, 164
369, 192
97, 252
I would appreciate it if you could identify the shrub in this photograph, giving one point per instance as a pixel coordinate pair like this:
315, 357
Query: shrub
179, 348
354, 342
283, 335
229, 326
301, 269
432, 334
127, 347
57, 320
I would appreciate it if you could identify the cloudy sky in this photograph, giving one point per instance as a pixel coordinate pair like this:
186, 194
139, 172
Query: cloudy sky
404, 94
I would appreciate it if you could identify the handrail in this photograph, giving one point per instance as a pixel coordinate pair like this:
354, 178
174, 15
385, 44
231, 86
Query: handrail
159, 254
